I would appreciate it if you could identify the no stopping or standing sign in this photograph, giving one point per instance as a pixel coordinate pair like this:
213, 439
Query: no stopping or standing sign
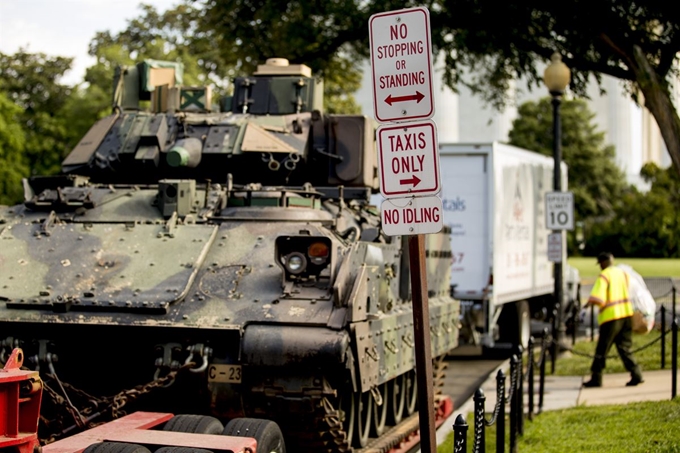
401, 65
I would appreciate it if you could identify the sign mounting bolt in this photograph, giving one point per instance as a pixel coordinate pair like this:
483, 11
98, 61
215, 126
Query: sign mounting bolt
403, 112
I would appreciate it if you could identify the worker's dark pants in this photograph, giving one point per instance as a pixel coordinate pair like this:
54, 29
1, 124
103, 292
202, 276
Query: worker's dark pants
620, 333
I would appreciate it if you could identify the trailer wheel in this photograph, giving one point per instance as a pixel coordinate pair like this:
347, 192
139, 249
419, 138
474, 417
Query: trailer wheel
182, 450
115, 447
515, 325
197, 424
266, 432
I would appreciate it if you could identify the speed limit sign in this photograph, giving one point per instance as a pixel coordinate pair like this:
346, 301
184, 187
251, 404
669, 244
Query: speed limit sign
559, 211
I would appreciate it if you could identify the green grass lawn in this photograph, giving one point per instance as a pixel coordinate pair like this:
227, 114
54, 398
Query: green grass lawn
639, 427
647, 267
648, 358
647, 427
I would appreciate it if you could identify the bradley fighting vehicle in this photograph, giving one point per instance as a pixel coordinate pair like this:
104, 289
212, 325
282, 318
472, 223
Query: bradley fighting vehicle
227, 259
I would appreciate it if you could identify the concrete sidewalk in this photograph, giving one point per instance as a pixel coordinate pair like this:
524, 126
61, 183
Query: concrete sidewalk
562, 392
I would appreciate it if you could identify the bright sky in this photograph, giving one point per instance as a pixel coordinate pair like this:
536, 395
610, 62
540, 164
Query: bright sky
65, 27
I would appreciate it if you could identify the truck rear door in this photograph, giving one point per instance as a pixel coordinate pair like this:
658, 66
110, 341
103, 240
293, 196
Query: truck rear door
465, 202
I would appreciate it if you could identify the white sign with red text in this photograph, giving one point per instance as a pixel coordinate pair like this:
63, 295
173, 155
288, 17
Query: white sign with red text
405, 216
401, 65
408, 160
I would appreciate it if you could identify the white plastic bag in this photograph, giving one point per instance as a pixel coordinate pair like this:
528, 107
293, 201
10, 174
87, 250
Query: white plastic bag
644, 306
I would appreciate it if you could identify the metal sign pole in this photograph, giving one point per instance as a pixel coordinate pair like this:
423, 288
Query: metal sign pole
421, 327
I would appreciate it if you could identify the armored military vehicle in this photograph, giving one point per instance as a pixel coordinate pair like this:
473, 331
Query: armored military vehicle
221, 261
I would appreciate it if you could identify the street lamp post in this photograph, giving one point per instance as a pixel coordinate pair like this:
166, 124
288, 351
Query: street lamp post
556, 78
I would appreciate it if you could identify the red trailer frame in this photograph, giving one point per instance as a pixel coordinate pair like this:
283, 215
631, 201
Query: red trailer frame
20, 397
138, 428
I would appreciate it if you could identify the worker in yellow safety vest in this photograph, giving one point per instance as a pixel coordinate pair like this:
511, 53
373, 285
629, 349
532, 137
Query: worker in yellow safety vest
610, 294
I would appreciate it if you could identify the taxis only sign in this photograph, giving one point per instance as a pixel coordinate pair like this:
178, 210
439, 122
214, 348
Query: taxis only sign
408, 160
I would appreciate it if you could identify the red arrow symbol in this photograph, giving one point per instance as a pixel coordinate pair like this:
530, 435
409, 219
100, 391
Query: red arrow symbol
413, 180
411, 97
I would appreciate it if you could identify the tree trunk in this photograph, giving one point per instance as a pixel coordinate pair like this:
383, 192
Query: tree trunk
658, 102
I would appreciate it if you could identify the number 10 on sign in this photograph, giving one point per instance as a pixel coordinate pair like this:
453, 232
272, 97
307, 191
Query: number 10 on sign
559, 211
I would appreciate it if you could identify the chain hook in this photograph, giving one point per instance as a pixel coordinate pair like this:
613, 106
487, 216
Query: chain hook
203, 352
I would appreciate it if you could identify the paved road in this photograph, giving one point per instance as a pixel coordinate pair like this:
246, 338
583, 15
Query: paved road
465, 374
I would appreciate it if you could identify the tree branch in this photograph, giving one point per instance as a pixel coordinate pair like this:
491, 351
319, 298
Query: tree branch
667, 58
608, 41
658, 102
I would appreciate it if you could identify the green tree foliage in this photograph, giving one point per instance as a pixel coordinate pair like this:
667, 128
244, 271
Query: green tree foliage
644, 224
31, 81
637, 42
496, 42
169, 36
12, 163
594, 177
182, 34
329, 36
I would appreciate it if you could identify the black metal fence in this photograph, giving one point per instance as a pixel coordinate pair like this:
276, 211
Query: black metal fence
514, 399
537, 362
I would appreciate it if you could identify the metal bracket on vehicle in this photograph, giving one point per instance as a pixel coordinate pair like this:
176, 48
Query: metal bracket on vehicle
200, 351
47, 224
168, 359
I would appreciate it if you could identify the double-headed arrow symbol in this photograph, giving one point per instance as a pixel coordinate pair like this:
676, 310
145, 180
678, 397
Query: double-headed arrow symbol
411, 97
412, 180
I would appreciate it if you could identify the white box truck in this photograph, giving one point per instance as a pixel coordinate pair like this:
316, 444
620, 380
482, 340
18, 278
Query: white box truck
494, 203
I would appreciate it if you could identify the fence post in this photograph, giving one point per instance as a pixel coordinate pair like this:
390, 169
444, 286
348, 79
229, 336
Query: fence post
673, 290
500, 421
513, 403
479, 445
530, 378
592, 323
541, 385
460, 429
663, 337
674, 360
553, 353
520, 391
576, 321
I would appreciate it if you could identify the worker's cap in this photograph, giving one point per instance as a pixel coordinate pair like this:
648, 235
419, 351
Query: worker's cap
604, 256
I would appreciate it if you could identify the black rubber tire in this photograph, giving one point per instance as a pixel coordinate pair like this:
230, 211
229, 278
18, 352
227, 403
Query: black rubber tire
515, 324
266, 432
197, 424
115, 447
182, 450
